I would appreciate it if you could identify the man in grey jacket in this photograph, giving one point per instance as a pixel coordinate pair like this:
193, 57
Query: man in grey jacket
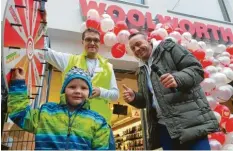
178, 114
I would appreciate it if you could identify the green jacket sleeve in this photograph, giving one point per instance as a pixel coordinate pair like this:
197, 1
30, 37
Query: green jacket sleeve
101, 140
19, 108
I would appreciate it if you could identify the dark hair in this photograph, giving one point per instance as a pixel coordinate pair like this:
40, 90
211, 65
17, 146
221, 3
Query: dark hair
90, 30
137, 33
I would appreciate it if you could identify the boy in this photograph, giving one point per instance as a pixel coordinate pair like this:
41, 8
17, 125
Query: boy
68, 125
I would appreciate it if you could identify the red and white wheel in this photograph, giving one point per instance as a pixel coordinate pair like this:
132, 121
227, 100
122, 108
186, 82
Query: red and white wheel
23, 43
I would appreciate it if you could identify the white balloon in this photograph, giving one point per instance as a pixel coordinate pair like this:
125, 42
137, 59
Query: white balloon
212, 102
211, 69
83, 27
175, 35
225, 61
231, 66
229, 74
110, 39
184, 45
219, 68
186, 37
209, 53
123, 36
159, 25
227, 147
161, 32
222, 94
218, 116
93, 14
219, 49
106, 16
216, 62
230, 87
219, 78
208, 85
226, 54
202, 45
193, 45
107, 24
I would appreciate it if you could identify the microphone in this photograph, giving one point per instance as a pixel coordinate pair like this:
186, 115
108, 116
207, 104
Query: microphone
156, 69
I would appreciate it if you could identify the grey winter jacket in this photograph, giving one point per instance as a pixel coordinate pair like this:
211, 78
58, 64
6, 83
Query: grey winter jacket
186, 112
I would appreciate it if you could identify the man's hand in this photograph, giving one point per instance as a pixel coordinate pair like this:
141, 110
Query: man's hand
168, 81
128, 94
17, 74
95, 92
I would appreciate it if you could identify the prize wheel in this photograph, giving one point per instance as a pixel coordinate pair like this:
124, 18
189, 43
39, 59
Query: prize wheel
23, 44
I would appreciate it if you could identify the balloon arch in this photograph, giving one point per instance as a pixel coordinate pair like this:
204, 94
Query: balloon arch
217, 64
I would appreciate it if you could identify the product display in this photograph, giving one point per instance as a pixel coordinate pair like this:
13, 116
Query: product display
131, 139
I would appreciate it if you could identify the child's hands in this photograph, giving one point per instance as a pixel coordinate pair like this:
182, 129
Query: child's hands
17, 74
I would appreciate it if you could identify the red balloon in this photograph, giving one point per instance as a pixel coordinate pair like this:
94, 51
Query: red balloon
199, 54
179, 30
118, 50
155, 36
132, 31
223, 111
230, 49
229, 125
219, 136
168, 27
206, 63
102, 37
206, 74
93, 23
120, 25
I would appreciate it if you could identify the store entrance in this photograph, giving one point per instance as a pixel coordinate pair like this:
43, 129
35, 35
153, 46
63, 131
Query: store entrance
126, 120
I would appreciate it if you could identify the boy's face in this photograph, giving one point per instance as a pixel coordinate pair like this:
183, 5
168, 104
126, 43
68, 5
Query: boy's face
76, 92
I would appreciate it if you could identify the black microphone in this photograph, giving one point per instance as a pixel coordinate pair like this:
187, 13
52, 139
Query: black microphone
156, 69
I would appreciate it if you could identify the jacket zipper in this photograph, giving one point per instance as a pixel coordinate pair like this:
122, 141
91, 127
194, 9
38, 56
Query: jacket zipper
68, 134
70, 124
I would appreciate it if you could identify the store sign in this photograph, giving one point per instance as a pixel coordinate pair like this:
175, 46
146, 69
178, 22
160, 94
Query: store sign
195, 28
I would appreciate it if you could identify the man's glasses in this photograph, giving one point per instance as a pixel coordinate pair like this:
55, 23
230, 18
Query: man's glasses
89, 40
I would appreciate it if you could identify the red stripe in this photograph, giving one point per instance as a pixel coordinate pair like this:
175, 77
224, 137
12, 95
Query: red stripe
11, 37
22, 15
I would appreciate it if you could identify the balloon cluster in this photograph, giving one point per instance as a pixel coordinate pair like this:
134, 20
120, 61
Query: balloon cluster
217, 64
111, 34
